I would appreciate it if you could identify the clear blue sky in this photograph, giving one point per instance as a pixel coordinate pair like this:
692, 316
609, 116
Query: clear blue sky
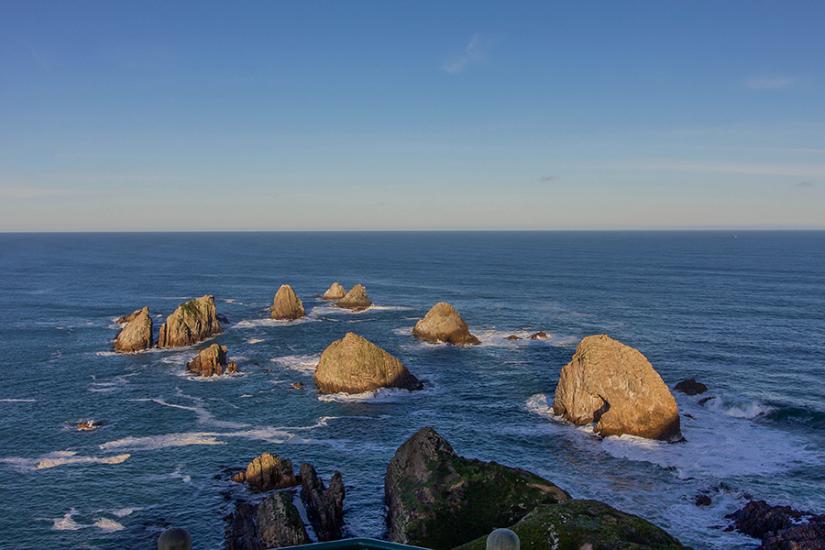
411, 115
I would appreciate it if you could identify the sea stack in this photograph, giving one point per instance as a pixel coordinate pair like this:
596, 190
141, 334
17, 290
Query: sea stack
356, 299
190, 323
211, 361
353, 364
444, 324
287, 306
136, 334
336, 291
267, 472
615, 387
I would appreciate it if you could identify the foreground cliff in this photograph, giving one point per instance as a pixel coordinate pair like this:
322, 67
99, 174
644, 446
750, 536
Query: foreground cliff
616, 388
438, 499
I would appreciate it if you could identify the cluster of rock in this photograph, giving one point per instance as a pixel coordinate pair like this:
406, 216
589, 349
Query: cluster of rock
780, 527
211, 361
275, 521
353, 364
614, 387
540, 335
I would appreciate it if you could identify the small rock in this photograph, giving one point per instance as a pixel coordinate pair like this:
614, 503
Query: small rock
267, 472
336, 291
297, 385
211, 361
540, 335
513, 337
702, 500
690, 386
87, 425
356, 299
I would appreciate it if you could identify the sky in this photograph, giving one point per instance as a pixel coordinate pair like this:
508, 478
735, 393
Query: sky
374, 115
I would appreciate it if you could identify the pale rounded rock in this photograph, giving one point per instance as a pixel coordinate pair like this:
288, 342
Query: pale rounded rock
286, 305
443, 323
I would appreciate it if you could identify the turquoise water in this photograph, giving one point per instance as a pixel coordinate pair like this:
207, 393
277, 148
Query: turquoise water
744, 313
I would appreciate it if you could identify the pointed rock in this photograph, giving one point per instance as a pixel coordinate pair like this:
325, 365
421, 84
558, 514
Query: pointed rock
190, 323
444, 324
615, 387
324, 506
356, 299
287, 305
275, 522
136, 334
353, 364
267, 472
336, 291
211, 361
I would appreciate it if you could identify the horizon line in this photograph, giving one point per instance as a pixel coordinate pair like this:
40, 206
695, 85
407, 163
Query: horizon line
522, 230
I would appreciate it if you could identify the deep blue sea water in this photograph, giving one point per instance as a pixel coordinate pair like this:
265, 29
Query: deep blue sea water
743, 312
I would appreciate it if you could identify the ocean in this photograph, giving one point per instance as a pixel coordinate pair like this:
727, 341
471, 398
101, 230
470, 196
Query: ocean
743, 312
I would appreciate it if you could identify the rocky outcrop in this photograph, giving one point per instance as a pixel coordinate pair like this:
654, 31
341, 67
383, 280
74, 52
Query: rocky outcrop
438, 499
444, 324
353, 364
267, 472
615, 387
190, 323
211, 361
287, 305
324, 506
336, 291
513, 337
356, 299
273, 523
585, 524
136, 334
780, 527
540, 335
690, 386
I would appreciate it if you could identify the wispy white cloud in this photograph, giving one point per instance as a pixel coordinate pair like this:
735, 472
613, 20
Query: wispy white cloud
770, 82
548, 179
752, 169
474, 52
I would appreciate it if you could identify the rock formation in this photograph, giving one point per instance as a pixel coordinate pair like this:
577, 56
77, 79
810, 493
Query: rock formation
585, 524
190, 323
356, 299
136, 334
444, 324
690, 386
324, 506
273, 523
780, 527
513, 337
353, 364
87, 425
615, 387
540, 335
211, 361
287, 305
336, 291
267, 472
438, 499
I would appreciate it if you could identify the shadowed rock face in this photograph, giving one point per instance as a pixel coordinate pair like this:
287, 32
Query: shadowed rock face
353, 364
267, 472
190, 323
273, 523
780, 527
444, 324
690, 386
336, 291
287, 305
324, 506
356, 299
211, 361
615, 387
136, 334
438, 499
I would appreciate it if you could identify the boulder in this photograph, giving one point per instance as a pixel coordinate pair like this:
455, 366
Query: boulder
444, 324
513, 337
702, 500
336, 291
356, 299
584, 524
87, 425
780, 527
287, 305
324, 506
353, 364
136, 334
540, 335
690, 386
615, 387
273, 523
438, 499
211, 361
190, 323
267, 472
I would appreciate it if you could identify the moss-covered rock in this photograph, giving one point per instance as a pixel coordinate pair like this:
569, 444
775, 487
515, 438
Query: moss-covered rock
584, 524
190, 323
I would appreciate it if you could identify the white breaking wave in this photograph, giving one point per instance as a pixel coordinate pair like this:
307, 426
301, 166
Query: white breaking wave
737, 409
256, 323
300, 363
108, 525
13, 400
62, 458
254, 341
203, 416
124, 512
66, 522
382, 395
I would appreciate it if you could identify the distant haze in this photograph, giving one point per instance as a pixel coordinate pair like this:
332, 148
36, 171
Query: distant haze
423, 115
